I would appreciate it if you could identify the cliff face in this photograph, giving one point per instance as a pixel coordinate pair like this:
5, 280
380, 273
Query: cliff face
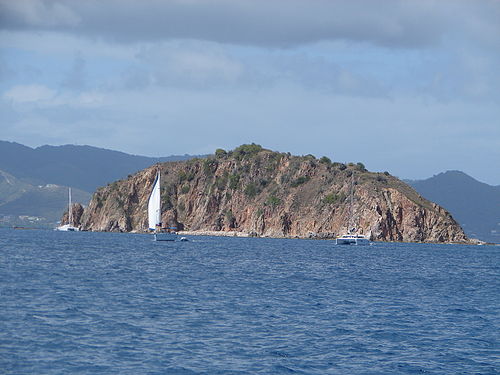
266, 193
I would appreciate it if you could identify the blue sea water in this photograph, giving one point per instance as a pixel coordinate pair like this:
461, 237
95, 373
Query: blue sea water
104, 303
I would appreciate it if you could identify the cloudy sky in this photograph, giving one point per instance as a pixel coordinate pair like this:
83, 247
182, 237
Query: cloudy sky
411, 87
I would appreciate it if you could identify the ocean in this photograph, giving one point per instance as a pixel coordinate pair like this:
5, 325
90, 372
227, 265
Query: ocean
109, 303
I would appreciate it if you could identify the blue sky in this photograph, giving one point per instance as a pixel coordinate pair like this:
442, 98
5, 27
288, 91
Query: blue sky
411, 87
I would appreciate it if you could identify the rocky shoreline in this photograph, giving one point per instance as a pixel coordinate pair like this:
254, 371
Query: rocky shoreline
214, 233
309, 236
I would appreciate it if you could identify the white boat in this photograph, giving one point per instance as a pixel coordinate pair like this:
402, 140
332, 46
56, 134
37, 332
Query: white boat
68, 227
154, 215
352, 237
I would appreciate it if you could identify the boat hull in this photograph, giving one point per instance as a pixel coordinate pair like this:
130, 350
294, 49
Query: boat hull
352, 241
67, 228
165, 236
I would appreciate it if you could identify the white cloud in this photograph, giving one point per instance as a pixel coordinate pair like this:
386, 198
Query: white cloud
201, 65
90, 99
190, 64
29, 94
41, 96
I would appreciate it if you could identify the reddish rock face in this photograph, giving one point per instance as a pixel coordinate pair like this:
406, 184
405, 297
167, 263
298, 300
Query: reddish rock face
272, 194
77, 212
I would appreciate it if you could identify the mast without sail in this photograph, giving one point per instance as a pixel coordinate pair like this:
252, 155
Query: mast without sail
70, 213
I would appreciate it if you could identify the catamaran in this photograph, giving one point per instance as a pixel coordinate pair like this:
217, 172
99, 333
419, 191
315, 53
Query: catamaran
154, 215
68, 227
352, 237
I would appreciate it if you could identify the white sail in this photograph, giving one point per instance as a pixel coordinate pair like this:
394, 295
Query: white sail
154, 204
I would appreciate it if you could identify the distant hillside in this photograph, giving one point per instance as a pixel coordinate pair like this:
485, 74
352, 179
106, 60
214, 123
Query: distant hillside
11, 188
82, 167
34, 182
475, 205
43, 204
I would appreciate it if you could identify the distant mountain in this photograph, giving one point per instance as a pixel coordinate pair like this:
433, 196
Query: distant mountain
44, 201
83, 167
11, 188
475, 205
34, 181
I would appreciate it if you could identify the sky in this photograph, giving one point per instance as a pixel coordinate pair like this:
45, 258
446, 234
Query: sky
406, 86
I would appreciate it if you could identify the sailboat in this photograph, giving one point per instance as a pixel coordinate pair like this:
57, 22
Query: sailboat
352, 237
154, 215
69, 227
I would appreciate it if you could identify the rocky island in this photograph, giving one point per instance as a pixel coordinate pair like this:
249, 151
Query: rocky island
258, 192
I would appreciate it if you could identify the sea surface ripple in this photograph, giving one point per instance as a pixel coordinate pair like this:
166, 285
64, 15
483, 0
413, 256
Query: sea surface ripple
104, 303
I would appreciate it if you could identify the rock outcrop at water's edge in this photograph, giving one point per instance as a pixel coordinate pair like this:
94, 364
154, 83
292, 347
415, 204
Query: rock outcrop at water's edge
263, 193
76, 212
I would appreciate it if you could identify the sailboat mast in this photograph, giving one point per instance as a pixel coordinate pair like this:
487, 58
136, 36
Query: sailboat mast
351, 203
159, 199
70, 214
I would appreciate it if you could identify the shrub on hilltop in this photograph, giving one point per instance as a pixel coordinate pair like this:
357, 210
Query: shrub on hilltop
246, 150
